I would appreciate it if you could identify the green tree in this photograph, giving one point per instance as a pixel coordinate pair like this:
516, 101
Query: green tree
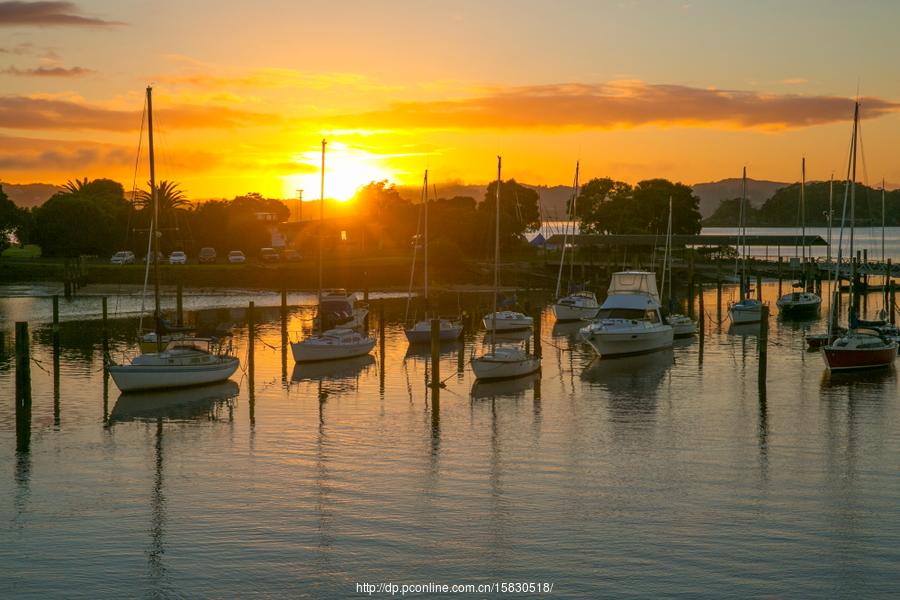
10, 219
87, 217
592, 208
519, 213
608, 206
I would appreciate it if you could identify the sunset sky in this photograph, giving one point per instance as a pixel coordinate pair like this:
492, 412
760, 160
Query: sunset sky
245, 91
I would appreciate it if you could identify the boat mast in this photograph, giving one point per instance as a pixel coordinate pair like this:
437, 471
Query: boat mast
425, 188
496, 260
321, 220
667, 264
830, 213
882, 223
745, 285
562, 256
154, 225
574, 218
853, 146
836, 291
803, 216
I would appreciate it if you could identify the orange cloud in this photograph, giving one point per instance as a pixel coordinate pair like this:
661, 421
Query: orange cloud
47, 13
47, 72
24, 112
621, 104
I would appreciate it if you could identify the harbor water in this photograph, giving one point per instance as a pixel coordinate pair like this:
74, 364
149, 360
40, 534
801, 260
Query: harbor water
665, 475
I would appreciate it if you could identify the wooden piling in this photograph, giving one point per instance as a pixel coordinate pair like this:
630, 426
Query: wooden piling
719, 300
701, 320
435, 353
892, 303
759, 287
251, 342
23, 388
690, 294
55, 315
780, 265
179, 305
763, 345
284, 334
888, 306
537, 334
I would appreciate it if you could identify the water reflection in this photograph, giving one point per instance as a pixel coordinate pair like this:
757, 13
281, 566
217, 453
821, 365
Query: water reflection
174, 405
631, 377
509, 388
348, 369
568, 330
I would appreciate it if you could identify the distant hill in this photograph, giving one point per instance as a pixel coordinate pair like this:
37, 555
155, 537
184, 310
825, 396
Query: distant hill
553, 198
28, 195
712, 193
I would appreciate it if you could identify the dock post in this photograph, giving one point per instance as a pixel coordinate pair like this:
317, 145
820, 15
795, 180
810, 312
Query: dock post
179, 305
719, 300
284, 334
251, 342
893, 303
886, 287
537, 334
690, 294
701, 320
105, 332
759, 287
435, 353
763, 344
23, 388
780, 264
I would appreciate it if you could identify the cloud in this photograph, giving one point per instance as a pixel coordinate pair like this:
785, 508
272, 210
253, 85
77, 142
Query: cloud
615, 105
47, 13
269, 78
47, 72
41, 113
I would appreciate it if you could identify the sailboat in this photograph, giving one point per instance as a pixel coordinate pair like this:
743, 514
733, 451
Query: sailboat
802, 302
336, 343
183, 361
581, 304
747, 309
682, 325
421, 331
502, 362
858, 348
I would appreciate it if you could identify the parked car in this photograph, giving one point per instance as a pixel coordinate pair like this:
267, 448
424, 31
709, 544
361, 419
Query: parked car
268, 255
207, 255
178, 258
236, 257
123, 257
290, 255
159, 257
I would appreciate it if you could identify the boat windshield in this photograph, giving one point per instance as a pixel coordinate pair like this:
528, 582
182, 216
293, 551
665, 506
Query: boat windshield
635, 314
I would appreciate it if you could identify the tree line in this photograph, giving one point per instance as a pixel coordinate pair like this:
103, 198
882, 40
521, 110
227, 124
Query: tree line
96, 217
783, 208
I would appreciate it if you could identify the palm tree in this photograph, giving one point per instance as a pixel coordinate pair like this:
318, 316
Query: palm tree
74, 187
168, 196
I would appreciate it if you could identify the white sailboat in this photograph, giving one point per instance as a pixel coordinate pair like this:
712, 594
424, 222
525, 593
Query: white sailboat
420, 332
579, 305
336, 343
682, 325
181, 362
630, 321
507, 361
800, 302
747, 309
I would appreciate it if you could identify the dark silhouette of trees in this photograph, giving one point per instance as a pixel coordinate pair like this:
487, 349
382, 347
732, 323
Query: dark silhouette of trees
519, 214
87, 217
608, 206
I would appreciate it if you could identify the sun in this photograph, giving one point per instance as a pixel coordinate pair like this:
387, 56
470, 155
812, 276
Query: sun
346, 170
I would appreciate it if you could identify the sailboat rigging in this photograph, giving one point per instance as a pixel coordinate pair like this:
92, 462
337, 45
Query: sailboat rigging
181, 362
506, 361
803, 302
747, 309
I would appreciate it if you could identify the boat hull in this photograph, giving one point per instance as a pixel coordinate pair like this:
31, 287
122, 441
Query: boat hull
507, 324
320, 352
789, 309
837, 359
745, 315
629, 343
130, 378
565, 312
422, 336
486, 369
